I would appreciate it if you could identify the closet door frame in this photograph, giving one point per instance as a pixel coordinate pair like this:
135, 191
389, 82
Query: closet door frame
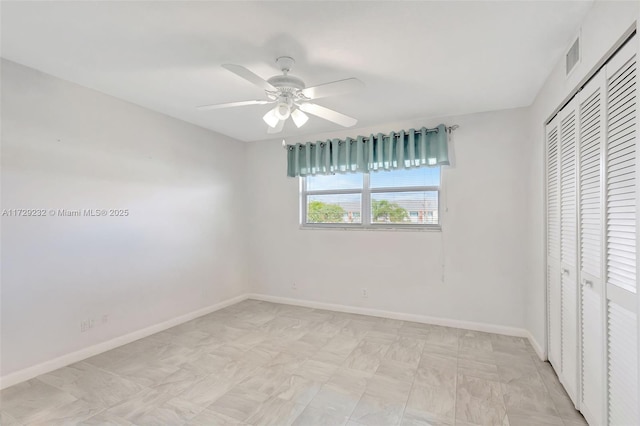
637, 50
553, 117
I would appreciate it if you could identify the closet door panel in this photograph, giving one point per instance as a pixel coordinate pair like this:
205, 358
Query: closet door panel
553, 245
622, 365
568, 247
621, 237
592, 131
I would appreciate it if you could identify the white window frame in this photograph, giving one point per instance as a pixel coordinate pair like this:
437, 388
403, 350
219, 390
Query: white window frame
365, 213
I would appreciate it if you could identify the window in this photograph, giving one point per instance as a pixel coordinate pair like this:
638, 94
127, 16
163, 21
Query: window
399, 198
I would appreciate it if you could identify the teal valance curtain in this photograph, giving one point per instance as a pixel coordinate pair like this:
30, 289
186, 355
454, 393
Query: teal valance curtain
398, 150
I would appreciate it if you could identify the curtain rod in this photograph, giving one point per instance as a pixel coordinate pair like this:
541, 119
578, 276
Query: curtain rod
366, 138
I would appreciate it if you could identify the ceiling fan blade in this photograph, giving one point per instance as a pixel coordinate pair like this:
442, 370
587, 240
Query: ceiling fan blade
328, 114
334, 88
232, 104
249, 76
278, 127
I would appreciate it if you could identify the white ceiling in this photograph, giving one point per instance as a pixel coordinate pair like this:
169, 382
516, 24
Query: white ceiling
417, 59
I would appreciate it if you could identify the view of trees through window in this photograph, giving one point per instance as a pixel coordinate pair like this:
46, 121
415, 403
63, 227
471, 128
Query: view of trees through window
404, 197
319, 212
385, 211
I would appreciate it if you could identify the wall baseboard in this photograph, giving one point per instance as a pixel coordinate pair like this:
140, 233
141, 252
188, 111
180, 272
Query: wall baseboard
542, 354
424, 319
70, 358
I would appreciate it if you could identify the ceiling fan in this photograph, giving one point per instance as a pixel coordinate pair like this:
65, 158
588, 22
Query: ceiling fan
291, 97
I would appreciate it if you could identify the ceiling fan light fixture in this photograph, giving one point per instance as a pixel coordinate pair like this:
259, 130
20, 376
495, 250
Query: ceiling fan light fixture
282, 110
299, 117
270, 118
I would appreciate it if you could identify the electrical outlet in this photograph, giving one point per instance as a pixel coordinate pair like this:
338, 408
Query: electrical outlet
84, 326
365, 293
91, 322
294, 286
105, 319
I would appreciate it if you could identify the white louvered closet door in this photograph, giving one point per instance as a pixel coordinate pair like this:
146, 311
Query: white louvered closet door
553, 244
568, 136
621, 228
590, 183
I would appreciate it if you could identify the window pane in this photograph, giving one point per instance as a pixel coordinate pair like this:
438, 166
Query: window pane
423, 176
334, 208
415, 207
327, 182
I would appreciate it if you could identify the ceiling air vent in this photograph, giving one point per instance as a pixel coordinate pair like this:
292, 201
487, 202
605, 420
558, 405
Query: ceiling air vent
572, 57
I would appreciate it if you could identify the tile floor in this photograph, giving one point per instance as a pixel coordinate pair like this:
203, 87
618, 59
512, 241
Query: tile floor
261, 363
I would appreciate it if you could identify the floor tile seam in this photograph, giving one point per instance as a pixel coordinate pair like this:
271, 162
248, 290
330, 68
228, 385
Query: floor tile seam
525, 412
455, 390
553, 402
504, 394
35, 416
125, 360
350, 353
363, 393
76, 399
305, 406
321, 383
208, 407
42, 383
356, 406
413, 383
102, 411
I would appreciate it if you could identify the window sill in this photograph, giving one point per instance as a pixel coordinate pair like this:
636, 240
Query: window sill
406, 228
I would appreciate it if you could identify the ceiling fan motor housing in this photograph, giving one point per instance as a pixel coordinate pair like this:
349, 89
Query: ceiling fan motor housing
287, 82
289, 89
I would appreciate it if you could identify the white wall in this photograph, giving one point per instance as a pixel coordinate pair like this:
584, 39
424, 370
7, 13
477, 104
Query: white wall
180, 249
484, 247
603, 26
